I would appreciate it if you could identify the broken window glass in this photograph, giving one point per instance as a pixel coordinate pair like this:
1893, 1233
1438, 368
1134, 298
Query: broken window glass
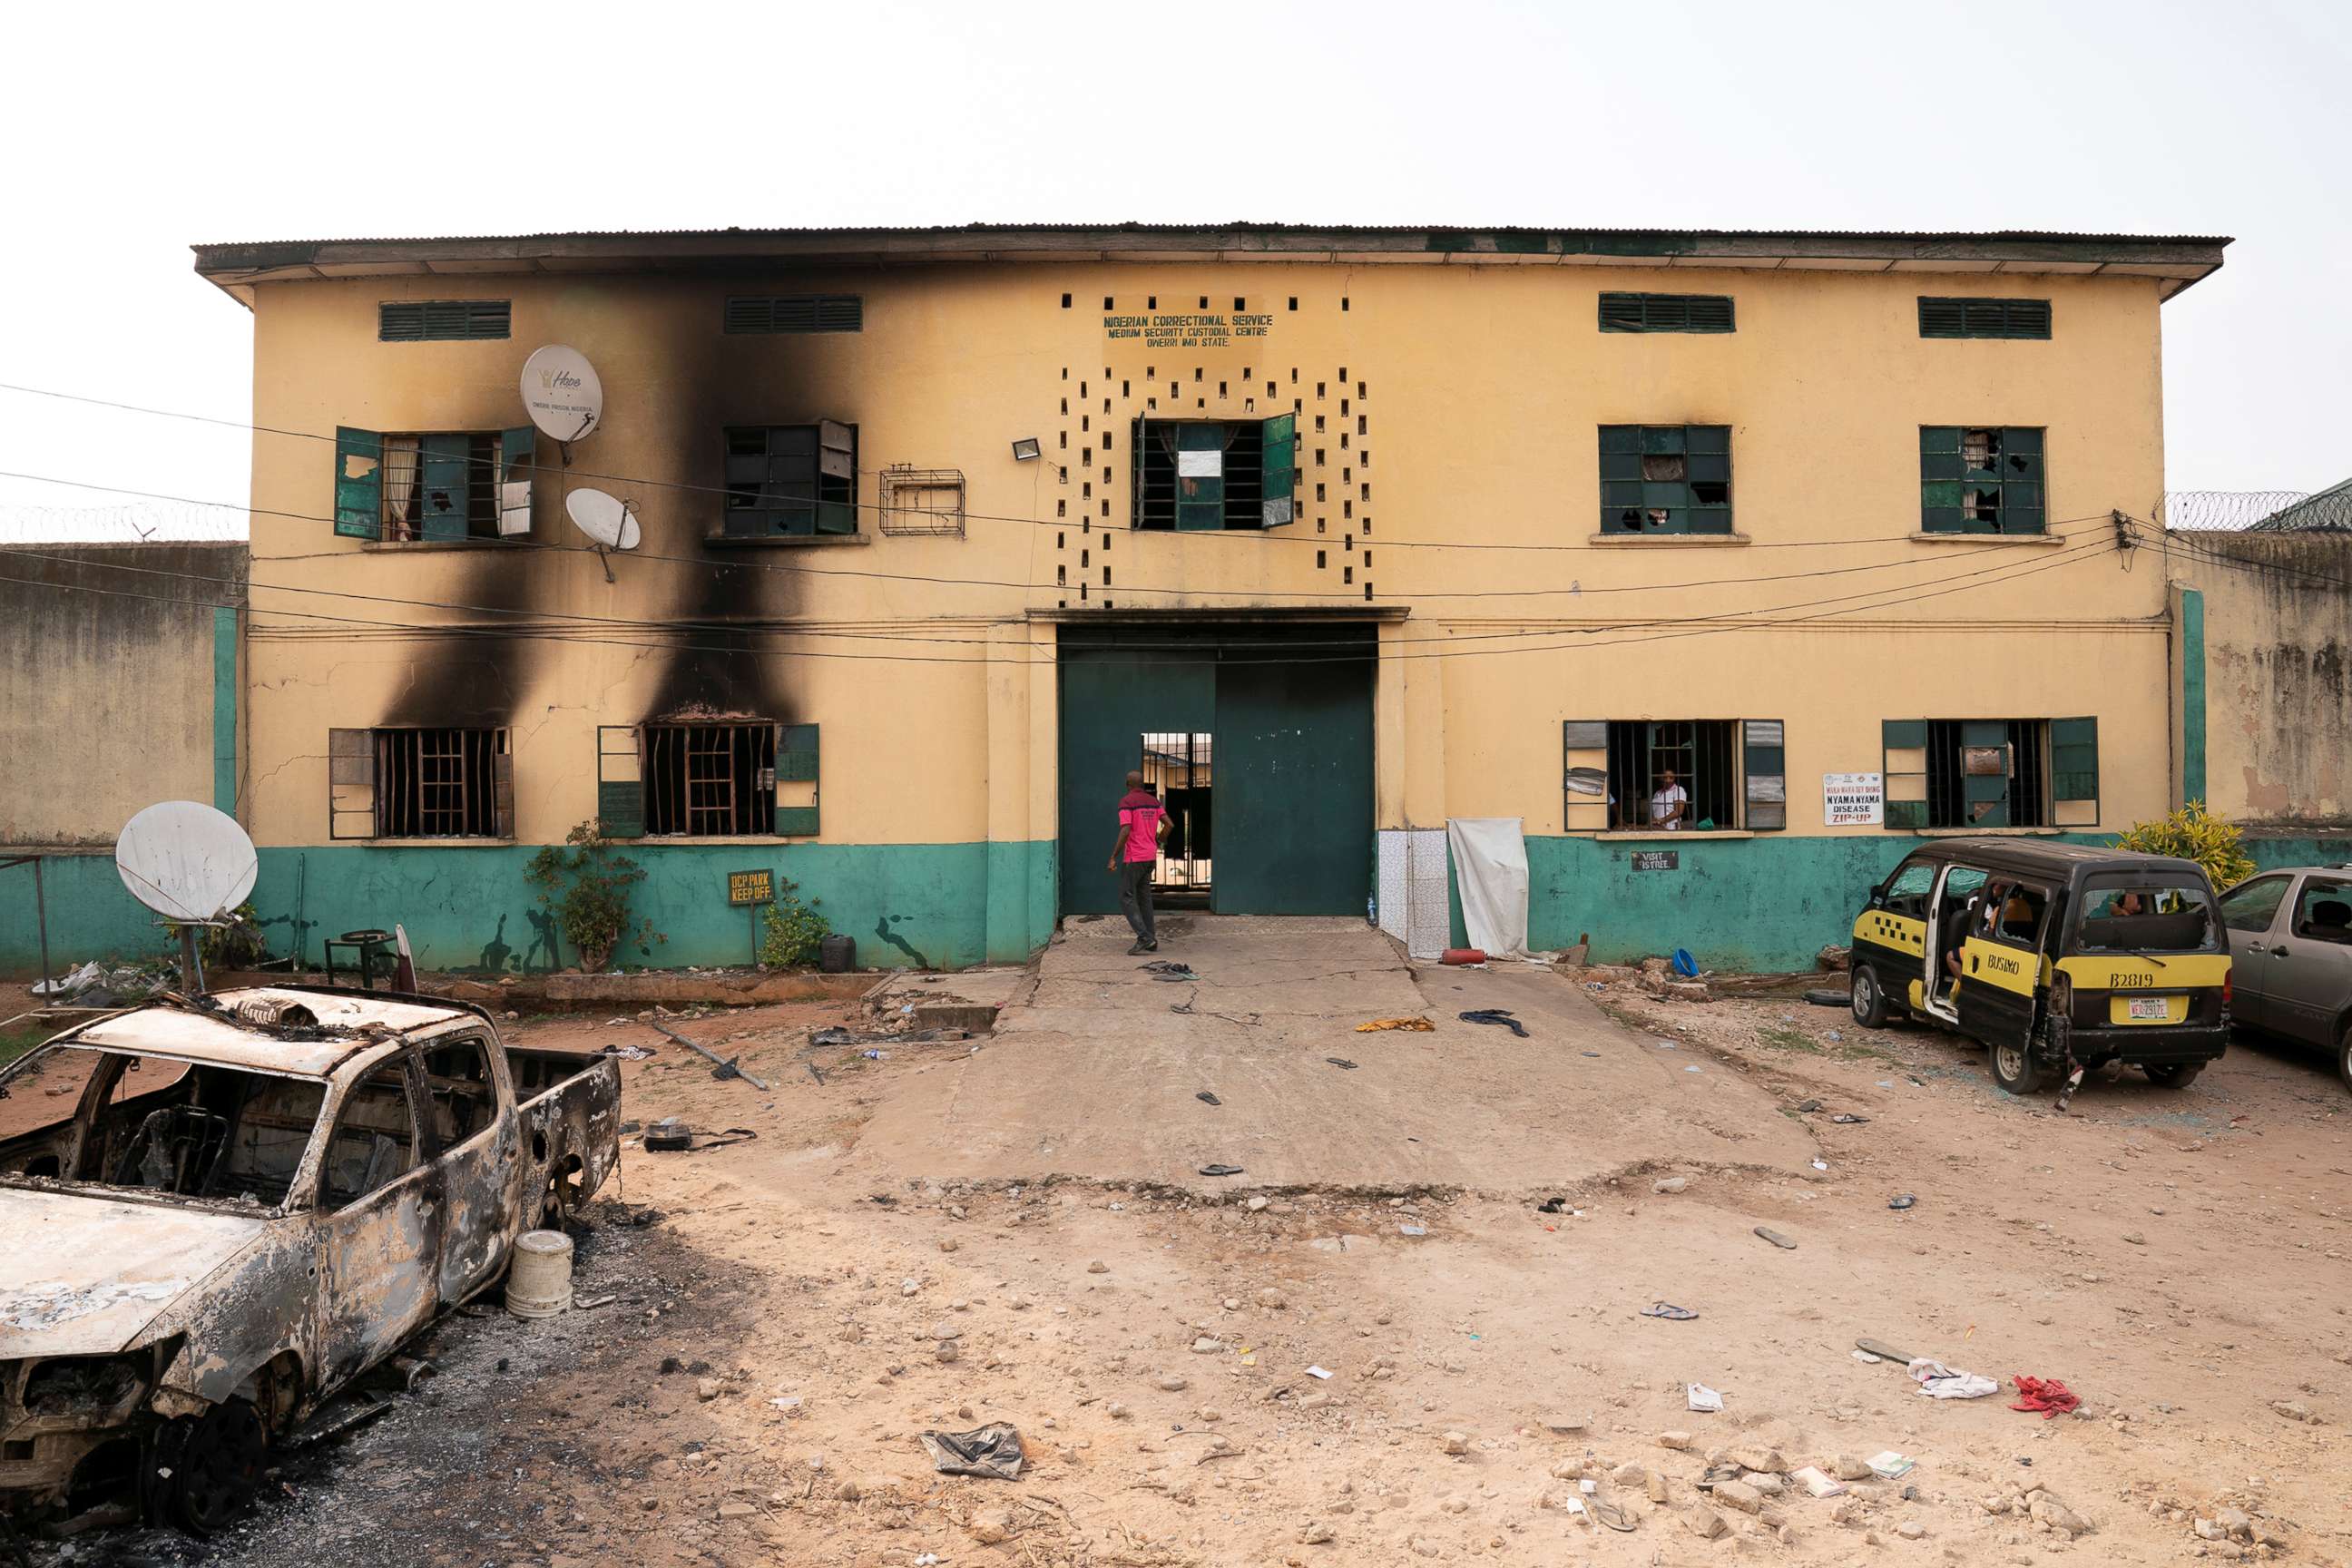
375, 1142
1666, 479
163, 1126
1981, 480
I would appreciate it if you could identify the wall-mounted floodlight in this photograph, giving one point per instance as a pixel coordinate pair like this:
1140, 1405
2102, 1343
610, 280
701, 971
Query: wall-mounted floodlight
1025, 451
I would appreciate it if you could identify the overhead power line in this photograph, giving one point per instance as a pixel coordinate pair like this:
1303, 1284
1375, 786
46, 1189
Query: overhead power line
580, 629
1253, 595
1081, 525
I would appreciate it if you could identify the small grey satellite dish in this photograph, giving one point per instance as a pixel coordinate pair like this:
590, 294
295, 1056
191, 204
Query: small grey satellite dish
560, 390
186, 862
609, 520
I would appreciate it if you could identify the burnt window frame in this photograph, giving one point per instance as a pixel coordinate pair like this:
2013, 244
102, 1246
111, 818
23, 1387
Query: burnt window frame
1650, 468
672, 748
376, 792
770, 492
2005, 494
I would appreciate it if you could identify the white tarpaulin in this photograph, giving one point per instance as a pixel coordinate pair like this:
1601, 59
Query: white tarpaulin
1490, 867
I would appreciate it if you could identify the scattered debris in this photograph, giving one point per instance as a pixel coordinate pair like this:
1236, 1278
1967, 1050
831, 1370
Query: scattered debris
1703, 1399
2048, 1395
670, 1135
1848, 1118
1341, 1062
1205, 1098
1889, 1465
991, 1452
1411, 1026
1815, 1482
725, 1067
1499, 1015
1463, 957
1221, 1170
1937, 1381
1901, 1201
1317, 1372
1825, 998
1776, 1238
1669, 1312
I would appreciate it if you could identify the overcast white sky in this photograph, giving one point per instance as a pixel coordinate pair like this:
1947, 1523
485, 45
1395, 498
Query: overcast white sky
130, 135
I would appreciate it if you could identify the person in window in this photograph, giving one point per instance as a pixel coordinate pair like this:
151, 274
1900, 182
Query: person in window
1669, 804
1142, 823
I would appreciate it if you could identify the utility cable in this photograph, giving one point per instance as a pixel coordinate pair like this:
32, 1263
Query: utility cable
1080, 524
1574, 590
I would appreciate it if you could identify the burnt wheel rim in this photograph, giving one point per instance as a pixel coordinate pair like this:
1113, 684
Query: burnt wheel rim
222, 1469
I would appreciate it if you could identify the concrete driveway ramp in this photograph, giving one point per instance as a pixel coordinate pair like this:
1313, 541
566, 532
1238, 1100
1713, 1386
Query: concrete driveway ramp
1098, 1075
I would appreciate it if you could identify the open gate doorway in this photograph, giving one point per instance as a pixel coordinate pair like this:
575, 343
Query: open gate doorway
1258, 738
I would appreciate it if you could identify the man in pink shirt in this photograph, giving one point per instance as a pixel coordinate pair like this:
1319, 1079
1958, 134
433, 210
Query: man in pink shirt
1142, 823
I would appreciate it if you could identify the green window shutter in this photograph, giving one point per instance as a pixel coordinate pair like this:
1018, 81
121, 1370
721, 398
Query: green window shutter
836, 461
1279, 464
351, 783
796, 763
2075, 772
796, 752
1199, 477
517, 449
1904, 741
1764, 761
444, 476
1985, 797
358, 483
620, 782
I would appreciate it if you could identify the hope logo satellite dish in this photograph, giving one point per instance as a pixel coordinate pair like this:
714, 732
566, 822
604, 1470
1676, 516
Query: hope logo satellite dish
560, 390
609, 520
188, 862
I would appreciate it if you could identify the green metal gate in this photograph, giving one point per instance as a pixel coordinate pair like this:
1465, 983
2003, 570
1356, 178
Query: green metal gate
1291, 709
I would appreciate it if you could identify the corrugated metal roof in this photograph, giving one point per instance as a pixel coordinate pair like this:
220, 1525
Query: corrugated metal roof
1249, 226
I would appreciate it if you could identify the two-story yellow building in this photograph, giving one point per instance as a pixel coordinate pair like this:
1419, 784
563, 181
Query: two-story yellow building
934, 533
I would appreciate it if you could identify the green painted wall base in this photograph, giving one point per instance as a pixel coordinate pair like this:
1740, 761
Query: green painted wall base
1757, 904
944, 905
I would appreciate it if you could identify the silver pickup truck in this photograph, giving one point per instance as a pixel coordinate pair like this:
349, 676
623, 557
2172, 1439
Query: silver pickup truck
215, 1213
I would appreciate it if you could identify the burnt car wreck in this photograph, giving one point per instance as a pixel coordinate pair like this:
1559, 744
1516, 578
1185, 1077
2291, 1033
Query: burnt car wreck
248, 1201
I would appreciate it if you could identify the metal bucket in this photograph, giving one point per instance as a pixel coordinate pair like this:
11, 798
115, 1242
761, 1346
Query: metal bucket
539, 1281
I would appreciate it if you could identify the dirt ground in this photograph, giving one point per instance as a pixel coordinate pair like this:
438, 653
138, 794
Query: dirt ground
2178, 1258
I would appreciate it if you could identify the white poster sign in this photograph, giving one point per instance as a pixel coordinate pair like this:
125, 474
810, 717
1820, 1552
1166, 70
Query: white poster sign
1853, 799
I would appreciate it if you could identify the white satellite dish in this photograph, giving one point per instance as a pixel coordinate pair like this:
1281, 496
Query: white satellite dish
188, 862
560, 390
609, 520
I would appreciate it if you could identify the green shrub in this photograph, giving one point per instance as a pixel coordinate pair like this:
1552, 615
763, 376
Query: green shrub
794, 928
585, 885
2193, 833
237, 945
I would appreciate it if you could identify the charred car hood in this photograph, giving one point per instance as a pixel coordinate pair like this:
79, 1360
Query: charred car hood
82, 1275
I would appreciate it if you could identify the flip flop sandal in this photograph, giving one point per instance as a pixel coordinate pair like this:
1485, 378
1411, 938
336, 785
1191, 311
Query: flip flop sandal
1610, 1514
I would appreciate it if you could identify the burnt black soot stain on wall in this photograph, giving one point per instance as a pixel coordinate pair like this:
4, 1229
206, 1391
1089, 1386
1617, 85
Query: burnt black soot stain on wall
716, 666
482, 678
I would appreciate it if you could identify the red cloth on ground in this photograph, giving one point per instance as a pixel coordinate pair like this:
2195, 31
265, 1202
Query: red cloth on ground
2048, 1395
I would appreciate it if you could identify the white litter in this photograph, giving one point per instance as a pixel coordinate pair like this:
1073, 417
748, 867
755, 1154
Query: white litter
1866, 1358
1821, 1164
1704, 1398
1889, 1464
1815, 1481
1317, 1372
1937, 1381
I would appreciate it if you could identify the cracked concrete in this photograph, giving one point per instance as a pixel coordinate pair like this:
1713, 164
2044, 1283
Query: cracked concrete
1094, 1076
